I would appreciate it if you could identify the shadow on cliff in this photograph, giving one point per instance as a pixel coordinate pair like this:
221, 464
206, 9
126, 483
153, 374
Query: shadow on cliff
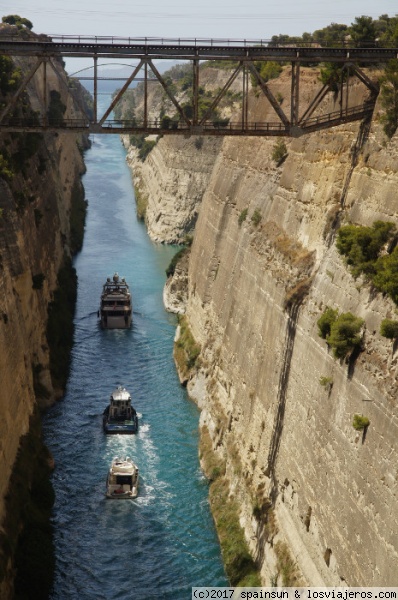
293, 312
362, 137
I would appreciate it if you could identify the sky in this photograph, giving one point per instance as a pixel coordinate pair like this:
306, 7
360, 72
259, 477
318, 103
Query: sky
247, 19
220, 19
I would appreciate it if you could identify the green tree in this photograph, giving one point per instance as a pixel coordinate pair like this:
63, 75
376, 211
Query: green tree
279, 151
267, 70
389, 329
387, 30
359, 422
363, 32
386, 276
345, 334
326, 321
332, 35
362, 245
9, 75
256, 217
332, 74
145, 149
389, 97
242, 216
20, 22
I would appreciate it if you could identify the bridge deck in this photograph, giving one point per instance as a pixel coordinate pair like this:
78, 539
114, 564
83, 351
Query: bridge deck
189, 49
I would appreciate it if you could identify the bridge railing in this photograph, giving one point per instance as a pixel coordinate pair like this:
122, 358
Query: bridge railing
180, 41
156, 127
338, 114
132, 41
151, 125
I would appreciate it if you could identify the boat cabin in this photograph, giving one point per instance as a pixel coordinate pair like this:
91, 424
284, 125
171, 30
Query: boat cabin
116, 305
122, 481
120, 416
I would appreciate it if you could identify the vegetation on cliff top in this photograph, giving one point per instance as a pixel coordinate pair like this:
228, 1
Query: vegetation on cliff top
365, 31
18, 21
373, 253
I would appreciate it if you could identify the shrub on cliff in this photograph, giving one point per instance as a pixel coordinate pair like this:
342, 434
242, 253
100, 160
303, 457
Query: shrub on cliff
386, 276
256, 217
186, 350
389, 329
345, 335
242, 216
279, 152
326, 321
361, 245
9, 75
286, 565
145, 149
173, 263
333, 75
342, 332
359, 422
267, 70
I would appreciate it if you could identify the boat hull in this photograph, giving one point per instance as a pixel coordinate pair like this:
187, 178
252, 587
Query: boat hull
116, 322
123, 495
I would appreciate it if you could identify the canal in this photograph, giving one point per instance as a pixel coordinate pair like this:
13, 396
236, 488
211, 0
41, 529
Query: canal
164, 542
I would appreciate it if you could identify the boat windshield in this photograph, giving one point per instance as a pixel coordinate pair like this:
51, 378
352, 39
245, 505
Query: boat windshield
124, 479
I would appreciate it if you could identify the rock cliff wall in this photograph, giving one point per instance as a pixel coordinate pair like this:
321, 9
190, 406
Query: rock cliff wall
172, 194
256, 288
39, 191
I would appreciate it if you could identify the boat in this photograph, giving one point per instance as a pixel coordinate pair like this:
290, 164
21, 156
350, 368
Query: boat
122, 480
116, 305
120, 416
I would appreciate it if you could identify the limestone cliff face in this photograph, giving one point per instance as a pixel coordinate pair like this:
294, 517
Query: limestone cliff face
36, 201
335, 493
172, 192
255, 293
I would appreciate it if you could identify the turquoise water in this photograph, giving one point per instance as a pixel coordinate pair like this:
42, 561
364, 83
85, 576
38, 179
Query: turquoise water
164, 542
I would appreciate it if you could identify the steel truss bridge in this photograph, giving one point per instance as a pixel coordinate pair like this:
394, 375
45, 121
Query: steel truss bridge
246, 56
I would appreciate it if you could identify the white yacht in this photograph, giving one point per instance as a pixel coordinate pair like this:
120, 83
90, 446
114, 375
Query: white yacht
122, 480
